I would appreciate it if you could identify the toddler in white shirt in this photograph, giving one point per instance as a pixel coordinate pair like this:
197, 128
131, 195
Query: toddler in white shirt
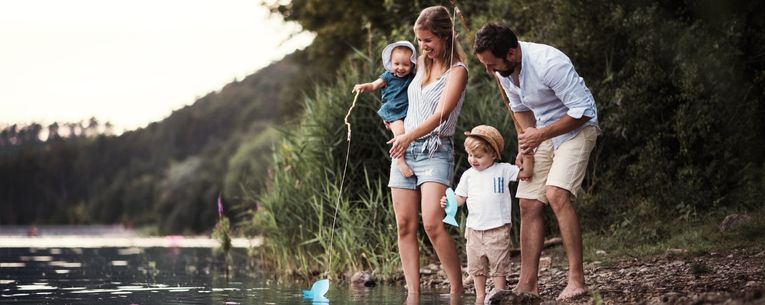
484, 186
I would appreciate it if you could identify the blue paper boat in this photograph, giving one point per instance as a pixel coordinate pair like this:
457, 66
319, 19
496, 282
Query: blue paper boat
317, 292
451, 208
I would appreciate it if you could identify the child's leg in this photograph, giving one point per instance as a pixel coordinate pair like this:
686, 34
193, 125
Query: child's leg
398, 128
480, 288
499, 282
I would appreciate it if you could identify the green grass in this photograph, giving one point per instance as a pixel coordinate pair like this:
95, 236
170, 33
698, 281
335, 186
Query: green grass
694, 238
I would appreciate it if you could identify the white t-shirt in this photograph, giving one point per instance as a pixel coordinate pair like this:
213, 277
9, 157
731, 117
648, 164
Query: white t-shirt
488, 195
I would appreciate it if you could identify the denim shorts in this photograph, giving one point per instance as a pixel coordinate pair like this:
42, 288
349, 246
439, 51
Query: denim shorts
436, 168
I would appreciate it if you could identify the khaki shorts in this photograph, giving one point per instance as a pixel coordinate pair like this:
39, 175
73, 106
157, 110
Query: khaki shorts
564, 167
488, 251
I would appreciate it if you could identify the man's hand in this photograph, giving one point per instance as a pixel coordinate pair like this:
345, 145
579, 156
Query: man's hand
529, 140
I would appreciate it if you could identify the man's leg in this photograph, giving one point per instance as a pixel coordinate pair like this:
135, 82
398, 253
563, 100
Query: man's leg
560, 202
532, 240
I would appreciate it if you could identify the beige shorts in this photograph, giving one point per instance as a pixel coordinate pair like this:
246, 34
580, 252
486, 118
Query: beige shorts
488, 251
563, 167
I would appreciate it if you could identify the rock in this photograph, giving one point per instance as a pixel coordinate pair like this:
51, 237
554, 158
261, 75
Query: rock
545, 263
363, 278
600, 252
508, 297
734, 221
467, 281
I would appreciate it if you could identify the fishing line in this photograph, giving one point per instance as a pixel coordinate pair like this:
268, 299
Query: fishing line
342, 180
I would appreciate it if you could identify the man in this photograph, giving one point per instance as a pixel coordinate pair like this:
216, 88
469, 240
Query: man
559, 125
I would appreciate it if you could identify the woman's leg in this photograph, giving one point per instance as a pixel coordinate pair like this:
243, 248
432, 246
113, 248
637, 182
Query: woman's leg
405, 207
432, 218
397, 127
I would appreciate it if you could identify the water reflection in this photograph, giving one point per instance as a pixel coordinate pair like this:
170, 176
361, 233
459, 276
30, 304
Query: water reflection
145, 276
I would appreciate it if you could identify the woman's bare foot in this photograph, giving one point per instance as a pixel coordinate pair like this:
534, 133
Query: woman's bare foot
404, 168
412, 299
571, 292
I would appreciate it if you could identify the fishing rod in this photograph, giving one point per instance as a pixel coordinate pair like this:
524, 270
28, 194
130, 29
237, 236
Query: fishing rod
506, 101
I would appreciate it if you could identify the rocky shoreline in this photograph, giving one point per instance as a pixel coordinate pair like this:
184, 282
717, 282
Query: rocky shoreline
726, 277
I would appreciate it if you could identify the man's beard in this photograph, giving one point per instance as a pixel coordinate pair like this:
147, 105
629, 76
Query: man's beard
510, 68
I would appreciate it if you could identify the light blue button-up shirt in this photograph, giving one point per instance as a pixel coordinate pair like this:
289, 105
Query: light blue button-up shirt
551, 88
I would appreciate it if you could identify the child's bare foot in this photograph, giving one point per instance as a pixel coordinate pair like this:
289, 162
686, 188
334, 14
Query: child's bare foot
404, 168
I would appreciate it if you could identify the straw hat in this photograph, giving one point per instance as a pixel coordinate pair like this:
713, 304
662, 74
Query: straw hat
389, 49
489, 134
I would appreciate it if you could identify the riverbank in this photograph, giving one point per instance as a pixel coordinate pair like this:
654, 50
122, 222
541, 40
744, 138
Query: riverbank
735, 276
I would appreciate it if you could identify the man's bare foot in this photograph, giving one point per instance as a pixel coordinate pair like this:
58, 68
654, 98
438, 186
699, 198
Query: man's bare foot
404, 168
571, 292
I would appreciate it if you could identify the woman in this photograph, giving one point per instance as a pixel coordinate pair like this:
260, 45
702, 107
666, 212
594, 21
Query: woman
435, 99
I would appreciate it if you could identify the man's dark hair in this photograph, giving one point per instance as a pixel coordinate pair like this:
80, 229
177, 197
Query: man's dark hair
496, 38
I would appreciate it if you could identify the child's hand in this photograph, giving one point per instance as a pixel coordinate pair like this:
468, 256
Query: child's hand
525, 164
361, 88
443, 202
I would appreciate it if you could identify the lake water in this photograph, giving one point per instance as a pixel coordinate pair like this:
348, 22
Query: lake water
161, 275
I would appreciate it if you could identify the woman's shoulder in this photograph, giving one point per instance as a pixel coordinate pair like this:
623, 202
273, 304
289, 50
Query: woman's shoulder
459, 64
460, 70
456, 67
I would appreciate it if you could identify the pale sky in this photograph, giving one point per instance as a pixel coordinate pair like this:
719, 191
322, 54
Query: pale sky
130, 62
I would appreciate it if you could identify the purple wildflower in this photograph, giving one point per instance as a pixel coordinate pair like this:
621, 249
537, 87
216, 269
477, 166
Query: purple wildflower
220, 207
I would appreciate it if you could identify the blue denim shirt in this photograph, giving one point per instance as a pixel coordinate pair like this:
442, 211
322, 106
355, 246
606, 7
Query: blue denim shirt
550, 88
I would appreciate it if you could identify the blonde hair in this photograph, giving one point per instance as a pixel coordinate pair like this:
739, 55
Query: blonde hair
436, 19
475, 144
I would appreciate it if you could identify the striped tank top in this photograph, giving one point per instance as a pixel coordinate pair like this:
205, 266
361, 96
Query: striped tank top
423, 102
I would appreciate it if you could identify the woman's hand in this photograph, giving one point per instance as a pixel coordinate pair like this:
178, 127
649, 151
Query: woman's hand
399, 145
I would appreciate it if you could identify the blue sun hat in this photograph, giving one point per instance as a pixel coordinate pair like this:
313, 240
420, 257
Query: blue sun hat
389, 49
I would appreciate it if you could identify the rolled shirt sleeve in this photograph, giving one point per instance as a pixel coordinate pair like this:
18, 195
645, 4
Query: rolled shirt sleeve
569, 87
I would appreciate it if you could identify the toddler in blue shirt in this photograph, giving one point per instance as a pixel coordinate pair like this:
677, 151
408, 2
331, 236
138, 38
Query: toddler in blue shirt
399, 60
